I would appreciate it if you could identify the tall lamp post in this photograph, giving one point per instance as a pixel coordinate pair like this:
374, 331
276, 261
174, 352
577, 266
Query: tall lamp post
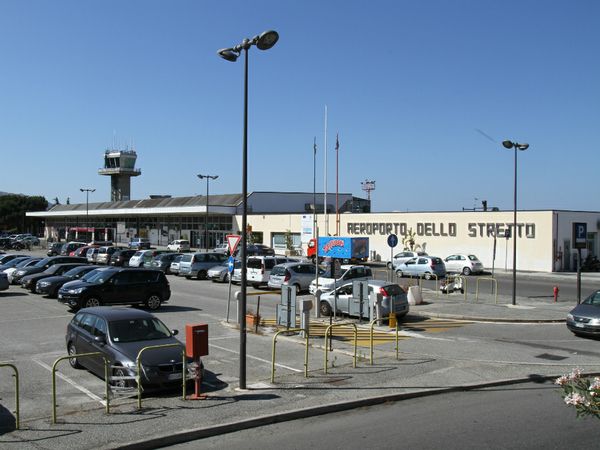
87, 206
208, 177
264, 41
517, 146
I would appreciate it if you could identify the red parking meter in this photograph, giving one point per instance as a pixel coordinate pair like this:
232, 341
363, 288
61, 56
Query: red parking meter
196, 346
555, 293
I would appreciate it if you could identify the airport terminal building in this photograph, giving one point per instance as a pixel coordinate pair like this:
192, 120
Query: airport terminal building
544, 238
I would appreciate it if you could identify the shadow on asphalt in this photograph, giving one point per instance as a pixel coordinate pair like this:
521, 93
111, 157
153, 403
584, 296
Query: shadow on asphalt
175, 308
12, 294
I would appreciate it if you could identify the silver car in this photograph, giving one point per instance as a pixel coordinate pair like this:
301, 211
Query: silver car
462, 263
427, 267
402, 257
393, 298
296, 274
219, 273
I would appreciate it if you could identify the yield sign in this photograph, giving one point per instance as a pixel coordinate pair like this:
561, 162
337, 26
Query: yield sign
233, 240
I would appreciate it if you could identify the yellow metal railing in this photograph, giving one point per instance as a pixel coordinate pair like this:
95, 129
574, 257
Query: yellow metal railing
306, 336
16, 375
371, 325
139, 369
80, 355
494, 288
328, 333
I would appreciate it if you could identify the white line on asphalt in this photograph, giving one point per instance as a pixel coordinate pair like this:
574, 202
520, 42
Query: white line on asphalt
256, 358
35, 318
72, 383
224, 337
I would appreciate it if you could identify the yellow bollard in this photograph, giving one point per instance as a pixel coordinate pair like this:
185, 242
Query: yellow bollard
392, 320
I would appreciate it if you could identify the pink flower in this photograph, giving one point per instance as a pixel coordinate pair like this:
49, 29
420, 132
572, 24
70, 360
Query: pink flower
561, 381
575, 374
576, 400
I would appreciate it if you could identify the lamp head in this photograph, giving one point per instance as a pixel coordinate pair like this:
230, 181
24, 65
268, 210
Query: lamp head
507, 144
228, 54
522, 146
267, 40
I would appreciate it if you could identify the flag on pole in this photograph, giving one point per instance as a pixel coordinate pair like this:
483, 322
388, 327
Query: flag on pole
315, 146
337, 142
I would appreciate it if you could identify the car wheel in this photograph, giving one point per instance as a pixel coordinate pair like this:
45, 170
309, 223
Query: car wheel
91, 302
153, 302
121, 372
73, 361
399, 273
325, 308
466, 271
202, 274
428, 276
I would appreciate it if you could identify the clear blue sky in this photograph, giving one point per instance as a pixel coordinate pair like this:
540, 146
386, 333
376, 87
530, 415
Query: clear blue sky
416, 89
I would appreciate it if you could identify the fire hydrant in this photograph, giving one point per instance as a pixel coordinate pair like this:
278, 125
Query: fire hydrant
555, 289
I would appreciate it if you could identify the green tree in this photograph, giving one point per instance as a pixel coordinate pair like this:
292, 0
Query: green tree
13, 208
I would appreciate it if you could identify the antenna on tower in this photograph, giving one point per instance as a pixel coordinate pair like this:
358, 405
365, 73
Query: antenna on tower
368, 186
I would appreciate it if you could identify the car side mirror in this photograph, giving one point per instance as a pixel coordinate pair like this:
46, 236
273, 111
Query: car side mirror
174, 332
100, 340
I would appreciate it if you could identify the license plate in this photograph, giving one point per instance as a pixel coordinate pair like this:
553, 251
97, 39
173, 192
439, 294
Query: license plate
175, 376
579, 325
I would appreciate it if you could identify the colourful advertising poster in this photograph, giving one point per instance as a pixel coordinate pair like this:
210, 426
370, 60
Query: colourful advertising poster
343, 247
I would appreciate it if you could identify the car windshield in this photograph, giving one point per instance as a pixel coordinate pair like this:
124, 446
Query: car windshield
97, 276
133, 330
75, 271
42, 262
473, 258
593, 299
278, 271
18, 262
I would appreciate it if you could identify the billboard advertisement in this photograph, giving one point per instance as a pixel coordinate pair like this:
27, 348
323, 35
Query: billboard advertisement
343, 247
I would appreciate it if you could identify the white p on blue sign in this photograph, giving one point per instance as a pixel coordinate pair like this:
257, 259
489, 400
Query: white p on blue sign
579, 235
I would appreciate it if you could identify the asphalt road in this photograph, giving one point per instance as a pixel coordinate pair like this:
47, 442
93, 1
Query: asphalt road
524, 416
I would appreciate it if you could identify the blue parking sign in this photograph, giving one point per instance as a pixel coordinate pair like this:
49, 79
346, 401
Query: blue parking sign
579, 235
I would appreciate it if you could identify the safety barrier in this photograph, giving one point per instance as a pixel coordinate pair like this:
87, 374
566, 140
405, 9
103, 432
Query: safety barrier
139, 369
79, 355
464, 284
494, 288
306, 336
327, 333
371, 325
16, 375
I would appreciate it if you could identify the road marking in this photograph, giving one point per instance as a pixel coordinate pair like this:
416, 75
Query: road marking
256, 358
72, 383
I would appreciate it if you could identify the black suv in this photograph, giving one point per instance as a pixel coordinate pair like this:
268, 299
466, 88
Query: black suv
44, 264
116, 285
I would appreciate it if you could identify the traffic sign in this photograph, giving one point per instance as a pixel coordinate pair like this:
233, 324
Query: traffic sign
579, 235
233, 240
392, 240
230, 264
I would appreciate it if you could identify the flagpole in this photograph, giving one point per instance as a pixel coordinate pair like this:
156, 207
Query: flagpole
314, 233
337, 171
325, 176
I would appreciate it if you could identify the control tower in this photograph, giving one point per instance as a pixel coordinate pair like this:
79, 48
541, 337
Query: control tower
120, 165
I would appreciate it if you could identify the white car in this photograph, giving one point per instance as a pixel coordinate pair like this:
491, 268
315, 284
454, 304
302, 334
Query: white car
463, 263
179, 245
402, 257
349, 273
222, 248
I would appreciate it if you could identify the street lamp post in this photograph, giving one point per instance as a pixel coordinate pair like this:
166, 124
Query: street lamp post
87, 206
517, 146
264, 41
208, 177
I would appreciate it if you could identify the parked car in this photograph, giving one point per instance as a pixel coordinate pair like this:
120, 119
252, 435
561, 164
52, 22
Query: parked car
54, 249
82, 251
6, 258
4, 284
20, 263
121, 257
196, 265
30, 281
91, 255
68, 247
28, 241
49, 286
43, 264
117, 285
11, 261
463, 263
259, 268
394, 298
119, 334
219, 273
163, 262
348, 273
174, 268
179, 245
139, 243
423, 266
296, 274
402, 257
258, 250
141, 257
105, 253
584, 319
222, 248
236, 276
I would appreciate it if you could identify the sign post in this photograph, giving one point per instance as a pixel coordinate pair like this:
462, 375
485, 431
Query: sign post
392, 241
230, 269
579, 242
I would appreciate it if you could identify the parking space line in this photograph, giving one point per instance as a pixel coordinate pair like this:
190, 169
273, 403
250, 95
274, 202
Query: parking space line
256, 358
72, 383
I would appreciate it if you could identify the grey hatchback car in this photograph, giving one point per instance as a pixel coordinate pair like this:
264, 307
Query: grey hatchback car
119, 334
296, 274
196, 265
427, 267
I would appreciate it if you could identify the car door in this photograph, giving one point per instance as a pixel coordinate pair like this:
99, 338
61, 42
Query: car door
344, 298
409, 267
99, 331
84, 341
118, 288
422, 266
451, 263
